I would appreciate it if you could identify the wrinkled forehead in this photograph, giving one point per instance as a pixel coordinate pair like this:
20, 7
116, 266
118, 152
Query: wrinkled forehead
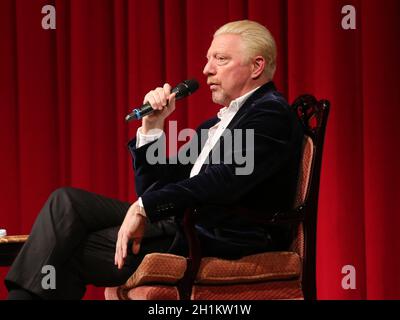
227, 43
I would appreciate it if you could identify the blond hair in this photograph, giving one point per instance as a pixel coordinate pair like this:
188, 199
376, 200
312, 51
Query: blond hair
257, 40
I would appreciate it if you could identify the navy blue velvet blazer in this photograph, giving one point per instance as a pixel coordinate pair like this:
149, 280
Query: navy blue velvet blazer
229, 206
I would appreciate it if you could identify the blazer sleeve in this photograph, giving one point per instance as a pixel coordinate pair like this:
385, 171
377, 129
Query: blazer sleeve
153, 176
219, 184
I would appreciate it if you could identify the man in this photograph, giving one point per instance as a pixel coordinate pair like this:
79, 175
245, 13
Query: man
90, 239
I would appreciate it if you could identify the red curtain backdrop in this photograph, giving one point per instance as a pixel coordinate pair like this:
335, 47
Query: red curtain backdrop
64, 94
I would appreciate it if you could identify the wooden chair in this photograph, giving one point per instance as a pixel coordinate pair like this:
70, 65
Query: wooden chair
270, 275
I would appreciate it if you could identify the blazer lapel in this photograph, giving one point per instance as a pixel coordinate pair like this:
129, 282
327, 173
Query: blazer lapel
269, 86
260, 92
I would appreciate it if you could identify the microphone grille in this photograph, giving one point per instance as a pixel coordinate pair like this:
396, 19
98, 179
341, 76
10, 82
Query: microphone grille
185, 88
192, 85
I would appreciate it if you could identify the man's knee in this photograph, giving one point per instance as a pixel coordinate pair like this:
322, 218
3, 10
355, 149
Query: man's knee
63, 200
64, 194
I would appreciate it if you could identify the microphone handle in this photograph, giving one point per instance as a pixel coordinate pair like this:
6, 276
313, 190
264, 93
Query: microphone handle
146, 109
140, 113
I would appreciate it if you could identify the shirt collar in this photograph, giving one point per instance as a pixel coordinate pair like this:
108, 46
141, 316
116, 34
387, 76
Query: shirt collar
235, 105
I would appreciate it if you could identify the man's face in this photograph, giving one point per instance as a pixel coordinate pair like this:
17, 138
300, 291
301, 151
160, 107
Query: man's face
228, 71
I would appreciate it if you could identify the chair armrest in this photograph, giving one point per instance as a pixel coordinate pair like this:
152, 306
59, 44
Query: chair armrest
288, 217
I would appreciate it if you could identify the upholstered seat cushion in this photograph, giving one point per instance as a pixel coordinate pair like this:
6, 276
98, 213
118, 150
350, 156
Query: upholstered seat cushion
167, 269
254, 268
154, 279
157, 268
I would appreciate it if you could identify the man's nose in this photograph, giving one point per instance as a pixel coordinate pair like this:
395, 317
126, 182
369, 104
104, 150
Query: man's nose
209, 68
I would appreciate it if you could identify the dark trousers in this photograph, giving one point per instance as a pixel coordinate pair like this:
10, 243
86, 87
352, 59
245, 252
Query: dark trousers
76, 232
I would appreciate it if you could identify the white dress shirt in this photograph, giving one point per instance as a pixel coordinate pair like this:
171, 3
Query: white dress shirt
225, 115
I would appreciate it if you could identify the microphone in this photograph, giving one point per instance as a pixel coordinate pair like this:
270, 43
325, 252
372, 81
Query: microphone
182, 90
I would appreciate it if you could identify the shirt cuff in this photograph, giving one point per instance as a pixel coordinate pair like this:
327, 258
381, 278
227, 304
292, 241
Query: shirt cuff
142, 211
143, 139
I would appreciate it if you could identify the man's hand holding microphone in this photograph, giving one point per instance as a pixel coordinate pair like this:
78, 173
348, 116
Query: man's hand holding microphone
163, 103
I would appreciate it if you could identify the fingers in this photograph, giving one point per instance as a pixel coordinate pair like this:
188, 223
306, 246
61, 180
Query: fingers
121, 250
117, 252
123, 247
133, 228
171, 100
116, 256
117, 246
167, 89
136, 246
158, 98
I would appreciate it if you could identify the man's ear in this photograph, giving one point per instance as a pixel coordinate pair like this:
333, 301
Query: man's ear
258, 66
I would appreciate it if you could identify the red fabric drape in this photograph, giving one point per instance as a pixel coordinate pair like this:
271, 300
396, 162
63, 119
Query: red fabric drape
64, 94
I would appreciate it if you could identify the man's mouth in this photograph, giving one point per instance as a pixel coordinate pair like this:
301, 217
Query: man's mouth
213, 86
